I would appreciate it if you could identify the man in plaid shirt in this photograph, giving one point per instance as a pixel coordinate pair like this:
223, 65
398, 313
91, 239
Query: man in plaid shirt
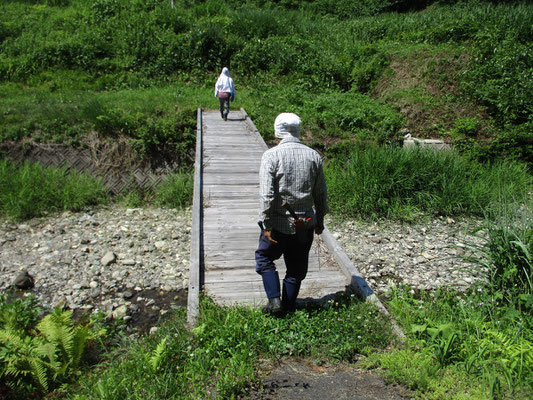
290, 173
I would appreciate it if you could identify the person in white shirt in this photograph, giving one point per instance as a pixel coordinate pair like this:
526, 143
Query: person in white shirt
290, 173
225, 91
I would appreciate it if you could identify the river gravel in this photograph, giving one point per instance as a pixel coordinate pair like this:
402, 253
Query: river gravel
124, 261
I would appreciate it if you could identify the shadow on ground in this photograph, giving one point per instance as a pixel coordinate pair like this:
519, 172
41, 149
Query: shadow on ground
298, 379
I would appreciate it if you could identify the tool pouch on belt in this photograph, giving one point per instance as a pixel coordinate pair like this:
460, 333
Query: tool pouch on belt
302, 229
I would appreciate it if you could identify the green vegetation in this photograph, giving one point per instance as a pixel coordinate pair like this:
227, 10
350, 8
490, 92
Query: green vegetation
177, 191
218, 356
29, 190
350, 69
485, 335
391, 182
38, 355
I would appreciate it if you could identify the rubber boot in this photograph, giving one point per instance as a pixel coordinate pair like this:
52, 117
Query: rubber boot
273, 307
291, 288
271, 283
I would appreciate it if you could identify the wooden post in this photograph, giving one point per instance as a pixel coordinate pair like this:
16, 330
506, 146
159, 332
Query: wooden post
196, 262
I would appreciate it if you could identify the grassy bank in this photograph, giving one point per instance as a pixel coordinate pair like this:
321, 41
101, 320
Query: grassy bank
31, 190
131, 67
365, 182
390, 182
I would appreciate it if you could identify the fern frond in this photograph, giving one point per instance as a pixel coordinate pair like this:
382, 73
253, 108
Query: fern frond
39, 371
158, 355
81, 337
57, 328
9, 337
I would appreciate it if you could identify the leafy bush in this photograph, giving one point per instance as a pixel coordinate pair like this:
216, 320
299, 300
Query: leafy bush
502, 63
36, 356
18, 313
482, 345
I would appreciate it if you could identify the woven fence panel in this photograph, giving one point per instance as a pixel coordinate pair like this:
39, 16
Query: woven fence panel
117, 171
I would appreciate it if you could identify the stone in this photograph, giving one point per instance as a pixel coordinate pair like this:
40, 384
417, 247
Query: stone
161, 244
24, 281
120, 312
108, 259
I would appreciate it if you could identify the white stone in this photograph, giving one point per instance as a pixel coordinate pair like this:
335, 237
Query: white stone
108, 259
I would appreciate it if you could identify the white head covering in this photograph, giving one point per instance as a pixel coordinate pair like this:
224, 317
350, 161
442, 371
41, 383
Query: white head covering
287, 124
223, 83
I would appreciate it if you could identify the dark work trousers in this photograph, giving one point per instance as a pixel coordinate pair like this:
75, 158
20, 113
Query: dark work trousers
295, 250
224, 106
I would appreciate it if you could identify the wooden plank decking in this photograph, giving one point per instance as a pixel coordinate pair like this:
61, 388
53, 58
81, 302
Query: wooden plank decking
224, 224
231, 153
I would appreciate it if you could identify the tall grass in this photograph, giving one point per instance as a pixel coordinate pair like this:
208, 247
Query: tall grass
177, 191
29, 190
396, 183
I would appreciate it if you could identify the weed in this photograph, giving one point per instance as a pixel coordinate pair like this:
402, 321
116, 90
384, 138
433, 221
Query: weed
29, 190
176, 192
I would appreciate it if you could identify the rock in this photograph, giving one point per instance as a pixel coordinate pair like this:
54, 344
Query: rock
108, 259
161, 244
153, 330
120, 312
61, 302
128, 294
24, 281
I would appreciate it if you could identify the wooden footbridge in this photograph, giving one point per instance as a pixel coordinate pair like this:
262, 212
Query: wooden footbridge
225, 229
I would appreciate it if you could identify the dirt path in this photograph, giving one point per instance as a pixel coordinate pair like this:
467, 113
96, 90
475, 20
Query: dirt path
299, 379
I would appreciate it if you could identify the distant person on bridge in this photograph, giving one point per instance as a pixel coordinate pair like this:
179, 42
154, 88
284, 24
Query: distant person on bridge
291, 182
225, 91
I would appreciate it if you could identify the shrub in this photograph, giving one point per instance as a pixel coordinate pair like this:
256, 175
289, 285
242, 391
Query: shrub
41, 358
507, 256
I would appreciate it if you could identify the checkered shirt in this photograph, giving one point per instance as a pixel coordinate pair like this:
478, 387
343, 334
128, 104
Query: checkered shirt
291, 172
